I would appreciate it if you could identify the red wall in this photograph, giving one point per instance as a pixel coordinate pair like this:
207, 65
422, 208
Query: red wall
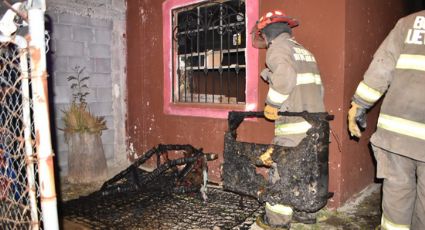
367, 24
322, 32
343, 36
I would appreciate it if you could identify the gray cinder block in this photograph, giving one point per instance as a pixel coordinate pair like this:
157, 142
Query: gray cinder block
103, 65
82, 34
68, 48
71, 19
104, 94
103, 36
100, 51
103, 23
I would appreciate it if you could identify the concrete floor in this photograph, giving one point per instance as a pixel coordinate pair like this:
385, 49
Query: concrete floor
363, 211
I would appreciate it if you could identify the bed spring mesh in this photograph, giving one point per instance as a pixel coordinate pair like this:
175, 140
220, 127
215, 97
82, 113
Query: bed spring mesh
138, 199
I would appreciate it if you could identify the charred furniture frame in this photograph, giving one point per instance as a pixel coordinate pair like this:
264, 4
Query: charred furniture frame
303, 169
192, 177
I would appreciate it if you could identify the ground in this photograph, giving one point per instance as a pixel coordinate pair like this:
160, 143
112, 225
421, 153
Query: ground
361, 212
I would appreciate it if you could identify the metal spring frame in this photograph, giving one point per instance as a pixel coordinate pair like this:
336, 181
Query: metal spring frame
111, 187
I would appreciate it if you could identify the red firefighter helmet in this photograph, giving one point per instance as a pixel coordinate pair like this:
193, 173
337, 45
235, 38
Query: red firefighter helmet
275, 16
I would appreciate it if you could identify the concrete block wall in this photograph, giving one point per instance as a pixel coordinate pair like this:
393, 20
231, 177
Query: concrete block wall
89, 34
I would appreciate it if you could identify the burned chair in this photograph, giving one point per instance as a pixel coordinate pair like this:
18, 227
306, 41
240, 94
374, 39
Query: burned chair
303, 169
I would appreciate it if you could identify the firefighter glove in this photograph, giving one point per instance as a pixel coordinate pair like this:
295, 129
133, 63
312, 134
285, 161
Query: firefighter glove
266, 157
270, 112
356, 118
265, 74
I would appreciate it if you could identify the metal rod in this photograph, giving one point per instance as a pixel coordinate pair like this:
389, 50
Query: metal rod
167, 165
134, 166
229, 41
213, 65
173, 73
221, 48
206, 57
212, 27
41, 116
28, 140
185, 70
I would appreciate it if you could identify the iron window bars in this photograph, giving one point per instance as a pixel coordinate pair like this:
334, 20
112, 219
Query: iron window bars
209, 47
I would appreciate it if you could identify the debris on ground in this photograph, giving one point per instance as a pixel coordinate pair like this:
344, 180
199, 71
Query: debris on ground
162, 209
88, 212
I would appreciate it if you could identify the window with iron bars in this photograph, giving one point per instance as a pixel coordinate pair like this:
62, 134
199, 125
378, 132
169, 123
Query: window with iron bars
209, 50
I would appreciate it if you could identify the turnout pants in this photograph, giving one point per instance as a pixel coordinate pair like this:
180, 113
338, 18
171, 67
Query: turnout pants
403, 201
291, 135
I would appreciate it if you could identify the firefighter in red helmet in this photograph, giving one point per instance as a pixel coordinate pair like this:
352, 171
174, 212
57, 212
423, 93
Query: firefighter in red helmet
295, 86
397, 73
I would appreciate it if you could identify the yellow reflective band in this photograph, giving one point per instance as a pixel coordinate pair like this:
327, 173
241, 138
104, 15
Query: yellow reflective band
308, 78
318, 79
367, 93
388, 225
275, 97
402, 126
410, 61
279, 208
292, 128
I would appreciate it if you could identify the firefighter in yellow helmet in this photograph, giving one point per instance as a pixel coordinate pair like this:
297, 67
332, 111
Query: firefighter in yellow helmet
294, 85
398, 71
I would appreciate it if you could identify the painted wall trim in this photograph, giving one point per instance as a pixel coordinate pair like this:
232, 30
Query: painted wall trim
202, 110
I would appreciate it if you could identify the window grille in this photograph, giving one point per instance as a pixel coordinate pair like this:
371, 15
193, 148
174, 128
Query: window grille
209, 47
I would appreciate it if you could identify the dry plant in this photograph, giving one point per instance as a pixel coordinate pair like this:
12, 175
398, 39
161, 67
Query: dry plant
78, 118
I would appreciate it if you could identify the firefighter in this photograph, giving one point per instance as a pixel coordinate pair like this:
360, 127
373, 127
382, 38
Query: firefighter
294, 86
398, 71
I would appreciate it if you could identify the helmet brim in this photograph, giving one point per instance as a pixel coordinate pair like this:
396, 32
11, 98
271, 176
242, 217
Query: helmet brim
290, 21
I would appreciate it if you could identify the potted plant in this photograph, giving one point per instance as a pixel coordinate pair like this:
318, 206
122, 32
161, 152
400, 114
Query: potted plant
83, 130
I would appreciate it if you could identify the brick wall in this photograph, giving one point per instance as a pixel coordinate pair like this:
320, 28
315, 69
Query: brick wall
89, 34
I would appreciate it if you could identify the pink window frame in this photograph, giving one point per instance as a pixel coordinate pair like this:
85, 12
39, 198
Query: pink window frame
209, 110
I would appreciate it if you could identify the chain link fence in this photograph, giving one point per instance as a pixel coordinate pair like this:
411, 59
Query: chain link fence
18, 190
24, 161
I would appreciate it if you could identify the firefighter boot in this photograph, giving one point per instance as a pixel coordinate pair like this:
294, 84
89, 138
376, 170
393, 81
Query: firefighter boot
277, 216
263, 224
305, 217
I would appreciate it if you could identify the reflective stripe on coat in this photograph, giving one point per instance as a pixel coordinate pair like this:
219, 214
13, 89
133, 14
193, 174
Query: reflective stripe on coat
398, 71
